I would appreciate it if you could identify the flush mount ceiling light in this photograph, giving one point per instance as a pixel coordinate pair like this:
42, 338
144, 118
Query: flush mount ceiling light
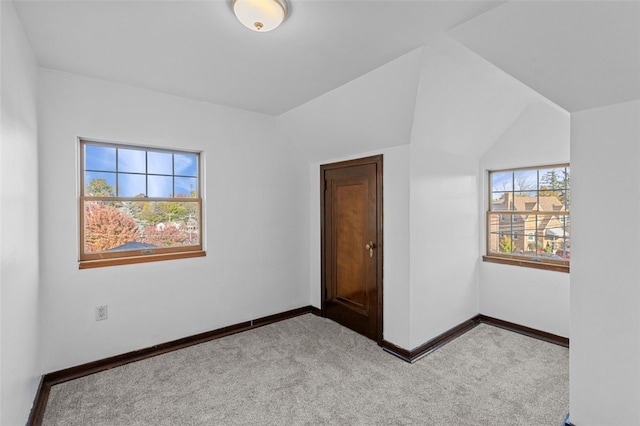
260, 15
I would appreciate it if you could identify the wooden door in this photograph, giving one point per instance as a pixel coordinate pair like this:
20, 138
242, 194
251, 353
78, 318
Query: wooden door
352, 244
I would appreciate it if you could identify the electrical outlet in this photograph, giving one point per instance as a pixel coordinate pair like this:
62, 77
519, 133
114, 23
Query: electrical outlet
101, 313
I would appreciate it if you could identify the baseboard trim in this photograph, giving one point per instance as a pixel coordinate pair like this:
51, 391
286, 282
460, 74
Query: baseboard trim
50, 379
433, 344
401, 353
527, 331
39, 403
457, 331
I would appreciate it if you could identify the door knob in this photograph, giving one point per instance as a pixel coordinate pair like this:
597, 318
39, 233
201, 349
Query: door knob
370, 246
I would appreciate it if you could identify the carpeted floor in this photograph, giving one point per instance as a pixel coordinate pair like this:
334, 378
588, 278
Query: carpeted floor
309, 370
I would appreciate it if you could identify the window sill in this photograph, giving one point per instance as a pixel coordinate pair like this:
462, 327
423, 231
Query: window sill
87, 264
527, 263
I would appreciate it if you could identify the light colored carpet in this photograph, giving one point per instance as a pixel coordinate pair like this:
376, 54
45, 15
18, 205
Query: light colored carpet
309, 370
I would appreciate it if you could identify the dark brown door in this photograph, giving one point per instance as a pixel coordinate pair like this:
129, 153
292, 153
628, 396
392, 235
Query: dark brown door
351, 244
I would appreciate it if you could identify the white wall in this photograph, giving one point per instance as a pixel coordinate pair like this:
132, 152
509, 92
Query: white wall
605, 272
535, 298
443, 236
464, 104
374, 111
256, 223
19, 258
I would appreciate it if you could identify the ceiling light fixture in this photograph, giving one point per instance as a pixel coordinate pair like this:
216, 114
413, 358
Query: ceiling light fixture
260, 15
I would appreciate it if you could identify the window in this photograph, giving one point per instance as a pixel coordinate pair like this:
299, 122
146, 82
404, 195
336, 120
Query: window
538, 202
138, 204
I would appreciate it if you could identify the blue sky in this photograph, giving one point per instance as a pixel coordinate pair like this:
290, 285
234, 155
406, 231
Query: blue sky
140, 172
520, 180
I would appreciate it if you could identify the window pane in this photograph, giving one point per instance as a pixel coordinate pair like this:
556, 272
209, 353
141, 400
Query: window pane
160, 186
135, 225
503, 238
160, 163
500, 201
564, 244
98, 184
554, 182
186, 187
529, 228
550, 202
131, 185
525, 201
100, 158
107, 227
551, 179
539, 236
525, 181
171, 224
186, 164
494, 233
502, 181
131, 160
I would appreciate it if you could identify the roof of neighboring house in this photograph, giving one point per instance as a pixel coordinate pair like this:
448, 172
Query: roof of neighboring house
133, 245
546, 203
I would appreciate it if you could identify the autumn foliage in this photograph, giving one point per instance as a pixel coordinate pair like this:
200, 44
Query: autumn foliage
107, 227
165, 236
110, 224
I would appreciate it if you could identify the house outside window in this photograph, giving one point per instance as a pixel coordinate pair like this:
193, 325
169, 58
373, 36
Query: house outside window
537, 200
138, 204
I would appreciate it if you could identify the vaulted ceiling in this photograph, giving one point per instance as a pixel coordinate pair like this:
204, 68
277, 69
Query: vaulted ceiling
578, 54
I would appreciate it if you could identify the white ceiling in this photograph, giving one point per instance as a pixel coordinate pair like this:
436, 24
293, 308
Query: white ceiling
579, 54
199, 50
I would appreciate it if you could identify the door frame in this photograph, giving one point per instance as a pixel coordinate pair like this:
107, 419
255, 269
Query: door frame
379, 252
